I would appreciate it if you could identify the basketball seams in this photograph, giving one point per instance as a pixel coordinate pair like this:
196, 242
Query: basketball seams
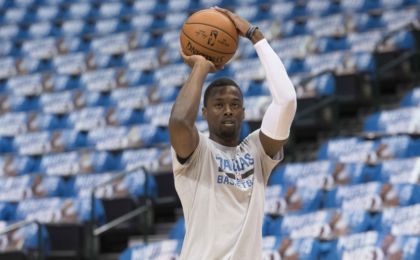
210, 25
201, 45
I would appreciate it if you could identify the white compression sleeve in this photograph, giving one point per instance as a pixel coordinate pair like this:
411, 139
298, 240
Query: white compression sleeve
280, 113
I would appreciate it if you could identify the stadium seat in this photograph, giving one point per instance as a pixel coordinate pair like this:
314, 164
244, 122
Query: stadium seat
47, 13
61, 102
10, 32
277, 247
399, 171
73, 63
27, 85
131, 185
142, 59
73, 163
100, 80
136, 97
41, 121
171, 75
158, 114
365, 41
324, 224
166, 249
14, 15
400, 220
12, 124
178, 230
412, 98
282, 200
25, 238
44, 48
375, 244
146, 157
78, 10
372, 196
59, 210
89, 118
17, 165
75, 27
255, 107
14, 103
398, 121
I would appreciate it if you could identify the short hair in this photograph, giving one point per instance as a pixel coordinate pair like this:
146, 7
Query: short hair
217, 83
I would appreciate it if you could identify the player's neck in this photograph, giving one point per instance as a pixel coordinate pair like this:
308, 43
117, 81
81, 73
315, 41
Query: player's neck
231, 141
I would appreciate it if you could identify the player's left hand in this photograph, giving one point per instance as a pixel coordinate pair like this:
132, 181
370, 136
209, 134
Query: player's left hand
241, 24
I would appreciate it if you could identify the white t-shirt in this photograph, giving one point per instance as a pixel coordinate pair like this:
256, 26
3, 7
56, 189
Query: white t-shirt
222, 194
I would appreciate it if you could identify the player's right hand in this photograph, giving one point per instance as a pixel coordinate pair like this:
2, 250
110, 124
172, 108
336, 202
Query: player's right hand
193, 60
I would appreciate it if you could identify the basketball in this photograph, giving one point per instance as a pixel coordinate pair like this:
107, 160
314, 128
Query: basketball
211, 34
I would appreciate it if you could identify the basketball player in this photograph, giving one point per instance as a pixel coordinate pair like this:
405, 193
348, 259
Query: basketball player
220, 180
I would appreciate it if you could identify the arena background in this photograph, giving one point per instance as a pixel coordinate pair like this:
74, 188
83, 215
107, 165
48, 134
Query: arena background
86, 89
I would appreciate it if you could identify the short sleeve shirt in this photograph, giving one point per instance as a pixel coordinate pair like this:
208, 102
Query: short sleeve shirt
222, 194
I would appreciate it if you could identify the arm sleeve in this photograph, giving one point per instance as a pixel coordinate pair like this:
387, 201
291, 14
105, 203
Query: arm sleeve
280, 113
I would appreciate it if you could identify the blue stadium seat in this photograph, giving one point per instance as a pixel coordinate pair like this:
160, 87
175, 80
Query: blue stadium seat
178, 230
324, 224
144, 6
327, 26
41, 30
72, 63
132, 159
114, 43
6, 145
399, 171
249, 69
158, 114
40, 121
47, 12
17, 165
26, 84
44, 48
14, 15
33, 143
19, 103
108, 26
403, 40
142, 22
172, 21
291, 47
60, 102
324, 62
125, 116
131, 185
322, 7
162, 94
331, 43
180, 5
7, 47
58, 210
282, 200
358, 5
375, 244
6, 212
277, 247
110, 9
171, 75
78, 10
292, 28
411, 98
10, 32
365, 41
100, 80
25, 238
12, 124
282, 11
372, 196
135, 78
135, 97
142, 59
398, 121
400, 220
8, 67
73, 163
396, 19
88, 118
366, 21
255, 107
75, 27
249, 12
166, 249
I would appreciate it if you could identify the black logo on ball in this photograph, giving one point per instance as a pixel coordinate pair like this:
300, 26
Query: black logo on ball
212, 38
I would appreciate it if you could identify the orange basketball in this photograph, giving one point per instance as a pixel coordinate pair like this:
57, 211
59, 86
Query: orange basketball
211, 34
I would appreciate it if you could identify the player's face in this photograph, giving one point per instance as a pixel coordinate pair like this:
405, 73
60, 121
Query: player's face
224, 112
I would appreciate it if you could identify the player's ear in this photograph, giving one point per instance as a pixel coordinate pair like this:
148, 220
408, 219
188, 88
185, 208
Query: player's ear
204, 112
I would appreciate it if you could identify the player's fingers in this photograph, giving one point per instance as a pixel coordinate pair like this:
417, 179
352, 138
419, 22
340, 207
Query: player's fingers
182, 53
223, 10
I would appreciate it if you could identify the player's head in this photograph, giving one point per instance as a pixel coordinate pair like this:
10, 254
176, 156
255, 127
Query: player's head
223, 109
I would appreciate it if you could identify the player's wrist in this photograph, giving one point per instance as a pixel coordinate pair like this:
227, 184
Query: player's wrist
257, 36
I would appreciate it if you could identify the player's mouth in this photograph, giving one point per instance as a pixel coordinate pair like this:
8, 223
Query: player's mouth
228, 123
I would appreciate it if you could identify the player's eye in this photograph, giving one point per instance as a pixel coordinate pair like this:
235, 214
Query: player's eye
219, 105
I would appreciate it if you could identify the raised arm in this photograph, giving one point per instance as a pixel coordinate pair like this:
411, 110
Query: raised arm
275, 126
183, 133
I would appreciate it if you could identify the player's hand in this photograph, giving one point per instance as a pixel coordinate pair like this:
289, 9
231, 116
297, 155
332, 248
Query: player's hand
193, 60
241, 24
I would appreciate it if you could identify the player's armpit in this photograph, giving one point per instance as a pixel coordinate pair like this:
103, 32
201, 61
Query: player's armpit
271, 146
